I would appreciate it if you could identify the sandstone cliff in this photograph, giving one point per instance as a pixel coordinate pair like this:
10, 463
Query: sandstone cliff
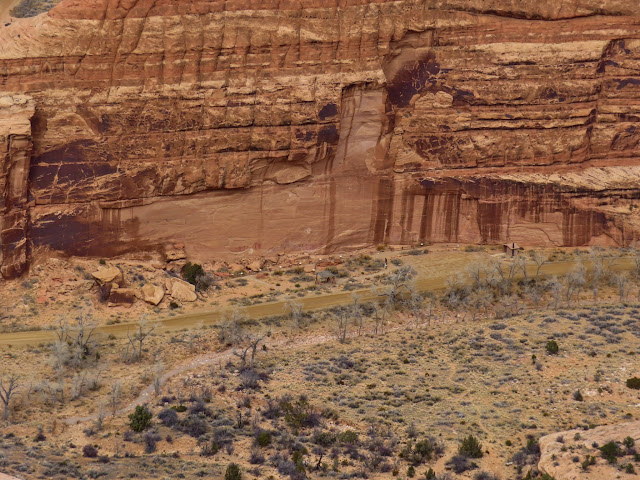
248, 127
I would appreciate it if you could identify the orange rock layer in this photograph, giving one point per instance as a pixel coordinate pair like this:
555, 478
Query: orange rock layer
244, 127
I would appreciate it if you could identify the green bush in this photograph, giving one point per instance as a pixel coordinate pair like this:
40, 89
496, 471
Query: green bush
610, 451
140, 419
348, 436
470, 447
263, 439
191, 272
629, 442
634, 383
552, 347
233, 472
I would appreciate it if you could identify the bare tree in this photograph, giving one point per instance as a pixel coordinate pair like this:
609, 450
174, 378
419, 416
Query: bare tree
539, 259
158, 372
230, 332
252, 347
136, 340
356, 313
399, 284
380, 314
8, 388
478, 299
534, 294
294, 309
100, 417
115, 392
476, 271
574, 282
556, 291
78, 385
341, 325
621, 281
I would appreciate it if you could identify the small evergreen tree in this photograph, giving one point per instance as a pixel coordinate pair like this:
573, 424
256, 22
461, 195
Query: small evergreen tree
140, 419
233, 472
552, 347
470, 447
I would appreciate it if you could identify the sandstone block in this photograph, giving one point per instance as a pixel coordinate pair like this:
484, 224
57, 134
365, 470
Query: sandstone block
152, 294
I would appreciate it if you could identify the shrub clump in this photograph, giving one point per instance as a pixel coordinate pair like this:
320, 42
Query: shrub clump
470, 447
633, 383
233, 472
140, 419
611, 451
552, 347
89, 451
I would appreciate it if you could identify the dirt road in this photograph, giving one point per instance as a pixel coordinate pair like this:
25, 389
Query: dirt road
432, 276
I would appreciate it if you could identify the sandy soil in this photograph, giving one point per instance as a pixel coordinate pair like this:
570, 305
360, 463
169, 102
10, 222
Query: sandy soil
5, 8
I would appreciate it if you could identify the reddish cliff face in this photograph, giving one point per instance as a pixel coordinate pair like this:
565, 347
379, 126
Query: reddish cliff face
242, 127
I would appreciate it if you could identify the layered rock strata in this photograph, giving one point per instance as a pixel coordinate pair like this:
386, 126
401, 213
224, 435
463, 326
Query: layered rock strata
239, 127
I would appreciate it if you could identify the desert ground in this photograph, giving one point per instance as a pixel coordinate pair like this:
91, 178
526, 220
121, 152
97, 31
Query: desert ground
288, 378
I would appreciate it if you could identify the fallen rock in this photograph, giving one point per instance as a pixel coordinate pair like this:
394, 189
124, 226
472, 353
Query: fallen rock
175, 254
122, 296
158, 265
107, 275
152, 294
255, 266
181, 290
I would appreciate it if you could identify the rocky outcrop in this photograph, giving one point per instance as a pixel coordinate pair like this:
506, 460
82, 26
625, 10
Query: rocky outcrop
558, 451
106, 274
240, 128
152, 294
181, 290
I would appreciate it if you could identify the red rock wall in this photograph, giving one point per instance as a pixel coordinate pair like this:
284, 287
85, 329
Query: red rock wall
248, 127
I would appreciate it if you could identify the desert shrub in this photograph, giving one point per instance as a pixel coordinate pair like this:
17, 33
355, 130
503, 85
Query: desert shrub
552, 347
263, 438
460, 464
173, 305
629, 442
192, 270
324, 439
199, 407
89, 451
193, 425
104, 291
179, 408
470, 447
423, 451
168, 417
150, 440
485, 476
610, 451
140, 419
256, 457
633, 383
348, 436
577, 396
300, 414
233, 472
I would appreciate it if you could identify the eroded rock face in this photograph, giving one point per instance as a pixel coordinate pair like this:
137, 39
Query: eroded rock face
559, 449
250, 127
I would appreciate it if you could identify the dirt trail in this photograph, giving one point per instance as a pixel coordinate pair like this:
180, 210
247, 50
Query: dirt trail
205, 360
432, 276
5, 9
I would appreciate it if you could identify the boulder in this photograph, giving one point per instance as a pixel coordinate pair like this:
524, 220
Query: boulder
255, 266
181, 290
107, 275
122, 296
152, 294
